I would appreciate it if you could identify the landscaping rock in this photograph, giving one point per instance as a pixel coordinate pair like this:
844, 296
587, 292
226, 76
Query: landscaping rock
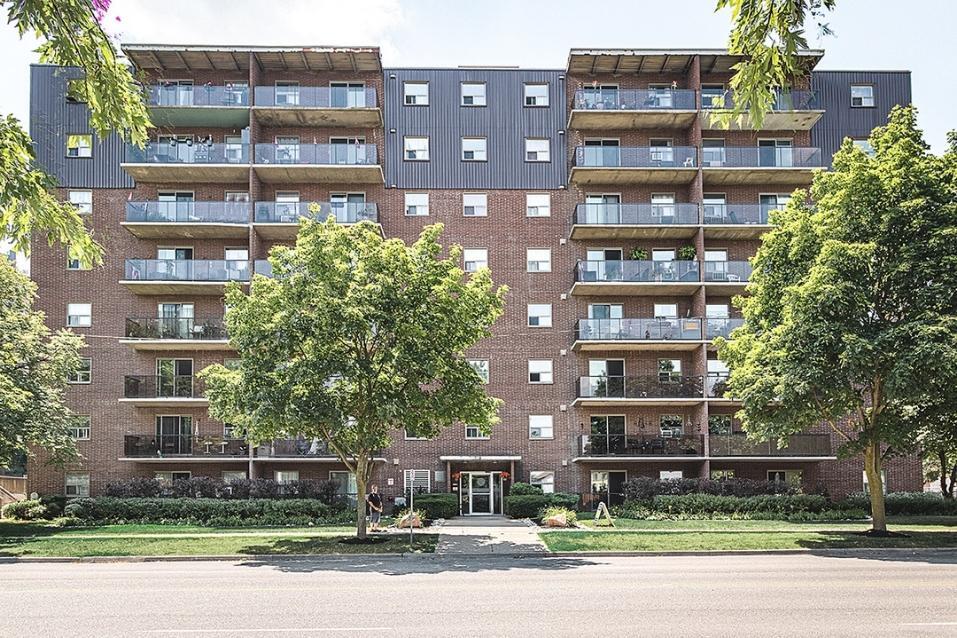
558, 520
409, 520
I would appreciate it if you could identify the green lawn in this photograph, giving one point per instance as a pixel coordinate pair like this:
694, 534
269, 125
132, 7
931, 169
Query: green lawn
927, 523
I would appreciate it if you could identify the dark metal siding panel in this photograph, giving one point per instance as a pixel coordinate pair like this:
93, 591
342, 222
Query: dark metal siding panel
840, 120
505, 122
52, 118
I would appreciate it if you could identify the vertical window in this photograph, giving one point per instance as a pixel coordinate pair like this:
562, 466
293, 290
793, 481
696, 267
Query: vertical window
416, 149
544, 480
417, 204
473, 93
79, 146
415, 93
864, 474
79, 315
82, 201
538, 205
77, 484
536, 95
83, 374
80, 430
862, 95
540, 315
474, 433
537, 150
538, 259
540, 371
475, 204
474, 149
475, 258
540, 426
481, 368
418, 480
346, 486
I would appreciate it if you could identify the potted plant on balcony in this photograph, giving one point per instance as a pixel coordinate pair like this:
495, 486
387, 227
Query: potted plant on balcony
639, 254
687, 253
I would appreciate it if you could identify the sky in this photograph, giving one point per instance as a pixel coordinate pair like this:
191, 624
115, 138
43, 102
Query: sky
869, 34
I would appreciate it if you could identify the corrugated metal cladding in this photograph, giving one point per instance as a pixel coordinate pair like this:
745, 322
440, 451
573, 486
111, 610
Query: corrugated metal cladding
505, 122
840, 120
52, 118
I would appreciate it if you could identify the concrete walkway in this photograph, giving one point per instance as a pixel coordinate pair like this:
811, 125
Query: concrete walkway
488, 535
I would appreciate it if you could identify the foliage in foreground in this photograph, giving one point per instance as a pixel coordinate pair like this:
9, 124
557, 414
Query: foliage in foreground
437, 505
645, 488
532, 505
906, 504
206, 487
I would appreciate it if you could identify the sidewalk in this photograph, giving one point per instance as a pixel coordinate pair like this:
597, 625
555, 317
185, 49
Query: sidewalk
488, 535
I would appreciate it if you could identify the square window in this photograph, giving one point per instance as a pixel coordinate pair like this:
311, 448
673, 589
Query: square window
82, 201
536, 95
80, 430
79, 315
540, 371
474, 149
538, 259
79, 145
540, 315
538, 205
77, 484
76, 264
475, 204
346, 486
474, 433
475, 258
544, 480
76, 90
540, 426
669, 370
473, 93
286, 476
417, 204
862, 95
416, 149
671, 425
83, 374
481, 368
418, 480
415, 93
537, 150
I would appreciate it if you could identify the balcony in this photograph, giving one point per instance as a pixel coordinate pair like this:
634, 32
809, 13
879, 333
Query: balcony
188, 220
632, 109
646, 390
736, 221
791, 111
638, 334
173, 333
302, 449
317, 106
163, 391
727, 277
329, 163
188, 163
614, 165
641, 446
164, 447
632, 221
783, 165
280, 220
206, 105
803, 446
263, 267
628, 277
716, 386
721, 327
183, 276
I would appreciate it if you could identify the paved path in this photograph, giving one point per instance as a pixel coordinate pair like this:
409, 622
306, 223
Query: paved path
488, 535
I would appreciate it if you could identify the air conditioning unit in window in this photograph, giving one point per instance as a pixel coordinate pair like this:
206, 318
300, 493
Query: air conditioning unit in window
535, 433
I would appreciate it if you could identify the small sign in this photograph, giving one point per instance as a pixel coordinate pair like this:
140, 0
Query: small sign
390, 482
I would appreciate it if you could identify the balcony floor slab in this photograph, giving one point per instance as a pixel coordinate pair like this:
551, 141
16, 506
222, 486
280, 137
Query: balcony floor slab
595, 119
186, 230
177, 345
633, 231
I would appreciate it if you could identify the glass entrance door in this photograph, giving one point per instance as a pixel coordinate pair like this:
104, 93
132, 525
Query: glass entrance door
481, 493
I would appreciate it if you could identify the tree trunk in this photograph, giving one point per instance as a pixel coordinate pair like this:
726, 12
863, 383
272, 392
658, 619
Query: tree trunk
872, 468
361, 483
953, 480
942, 457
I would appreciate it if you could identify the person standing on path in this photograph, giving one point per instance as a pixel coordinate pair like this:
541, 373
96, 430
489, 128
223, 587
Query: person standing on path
374, 502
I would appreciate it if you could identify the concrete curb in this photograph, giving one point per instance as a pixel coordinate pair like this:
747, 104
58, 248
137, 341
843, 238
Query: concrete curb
849, 551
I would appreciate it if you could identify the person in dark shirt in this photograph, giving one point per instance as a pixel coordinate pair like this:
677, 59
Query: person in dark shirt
374, 503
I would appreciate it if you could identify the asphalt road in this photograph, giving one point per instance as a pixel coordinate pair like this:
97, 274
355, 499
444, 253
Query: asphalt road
793, 595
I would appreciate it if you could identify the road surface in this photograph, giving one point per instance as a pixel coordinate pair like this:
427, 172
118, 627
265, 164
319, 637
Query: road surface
889, 594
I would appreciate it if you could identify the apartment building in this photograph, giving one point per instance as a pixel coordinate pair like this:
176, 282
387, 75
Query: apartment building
620, 215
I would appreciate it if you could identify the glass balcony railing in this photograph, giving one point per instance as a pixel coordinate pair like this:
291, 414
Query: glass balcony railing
636, 214
177, 386
761, 157
738, 444
188, 212
635, 99
201, 95
186, 328
716, 385
783, 100
187, 153
637, 271
721, 327
263, 267
736, 213
636, 157
727, 271
638, 329
641, 445
161, 445
646, 387
316, 97
186, 270
290, 212
317, 154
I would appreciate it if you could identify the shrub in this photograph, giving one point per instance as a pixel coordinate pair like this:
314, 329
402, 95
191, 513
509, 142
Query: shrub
135, 488
437, 505
704, 506
905, 504
206, 487
564, 499
645, 488
524, 489
525, 505
29, 510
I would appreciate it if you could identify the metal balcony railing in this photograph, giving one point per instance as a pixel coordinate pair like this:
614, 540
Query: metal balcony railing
162, 445
797, 100
187, 153
186, 270
316, 97
317, 154
175, 328
636, 214
738, 444
186, 212
290, 212
638, 329
178, 386
635, 99
761, 157
636, 157
727, 271
197, 95
637, 271
641, 445
644, 387
721, 327
736, 213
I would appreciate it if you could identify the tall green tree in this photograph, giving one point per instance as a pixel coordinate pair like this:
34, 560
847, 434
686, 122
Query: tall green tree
70, 35
852, 313
34, 365
354, 339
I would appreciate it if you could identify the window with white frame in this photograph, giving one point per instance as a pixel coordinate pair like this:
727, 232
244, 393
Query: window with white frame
76, 264
475, 258
415, 93
416, 149
83, 374
791, 477
666, 310
671, 425
346, 486
475, 204
232, 431
537, 150
231, 476
544, 480
536, 94
866, 486
862, 95
474, 433
670, 475
481, 368
79, 315
473, 93
80, 429
538, 205
474, 149
79, 146
538, 259
82, 201
540, 315
540, 371
77, 484
417, 204
168, 478
418, 480
540, 426
411, 437
286, 476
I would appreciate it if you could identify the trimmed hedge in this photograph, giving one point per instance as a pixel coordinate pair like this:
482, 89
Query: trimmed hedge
437, 505
524, 489
905, 504
205, 511
531, 505
206, 487
645, 488
712, 506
